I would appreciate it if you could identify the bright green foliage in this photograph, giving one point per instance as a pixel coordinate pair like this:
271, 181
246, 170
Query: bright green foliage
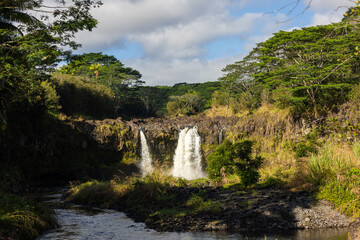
324, 165
234, 158
189, 103
102, 68
344, 192
51, 96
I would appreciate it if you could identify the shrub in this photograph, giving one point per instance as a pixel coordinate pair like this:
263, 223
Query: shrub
51, 97
229, 158
344, 192
20, 219
189, 103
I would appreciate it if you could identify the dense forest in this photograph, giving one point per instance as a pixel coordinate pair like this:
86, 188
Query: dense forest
309, 75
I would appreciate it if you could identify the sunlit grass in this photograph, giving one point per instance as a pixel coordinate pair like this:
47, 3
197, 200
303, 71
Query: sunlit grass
335, 172
197, 204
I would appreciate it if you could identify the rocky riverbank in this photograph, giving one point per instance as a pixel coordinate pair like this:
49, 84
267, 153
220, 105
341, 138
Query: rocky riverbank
262, 210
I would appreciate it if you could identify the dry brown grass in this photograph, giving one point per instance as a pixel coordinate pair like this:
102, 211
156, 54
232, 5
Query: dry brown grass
219, 111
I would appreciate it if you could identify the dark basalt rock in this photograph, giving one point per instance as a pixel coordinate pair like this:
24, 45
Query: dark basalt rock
265, 210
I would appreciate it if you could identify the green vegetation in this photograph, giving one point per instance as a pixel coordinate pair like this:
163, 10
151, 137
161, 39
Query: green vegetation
234, 158
309, 71
296, 97
20, 219
91, 99
336, 174
109, 73
186, 104
197, 205
150, 196
102, 73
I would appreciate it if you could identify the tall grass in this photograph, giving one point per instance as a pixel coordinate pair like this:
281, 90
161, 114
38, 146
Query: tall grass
121, 191
148, 196
326, 164
335, 172
197, 204
20, 219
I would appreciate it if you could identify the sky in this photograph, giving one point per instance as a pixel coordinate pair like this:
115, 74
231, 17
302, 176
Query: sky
173, 41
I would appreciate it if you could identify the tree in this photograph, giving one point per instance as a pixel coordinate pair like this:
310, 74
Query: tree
12, 12
313, 64
106, 70
234, 158
152, 99
309, 70
26, 59
189, 103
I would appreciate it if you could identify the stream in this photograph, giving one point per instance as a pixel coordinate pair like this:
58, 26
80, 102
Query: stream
86, 223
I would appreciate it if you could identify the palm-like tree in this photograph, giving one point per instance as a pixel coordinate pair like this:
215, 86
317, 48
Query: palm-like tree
13, 12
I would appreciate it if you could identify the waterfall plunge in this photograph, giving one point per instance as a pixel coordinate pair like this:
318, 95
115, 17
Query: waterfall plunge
145, 165
187, 159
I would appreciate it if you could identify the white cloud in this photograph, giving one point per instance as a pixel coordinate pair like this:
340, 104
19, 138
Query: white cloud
173, 33
171, 28
187, 40
330, 5
330, 11
160, 72
323, 19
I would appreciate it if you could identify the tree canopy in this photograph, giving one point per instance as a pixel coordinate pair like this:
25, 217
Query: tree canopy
106, 70
32, 37
309, 70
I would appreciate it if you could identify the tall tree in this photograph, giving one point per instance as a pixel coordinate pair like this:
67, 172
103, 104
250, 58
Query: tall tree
309, 70
26, 59
123, 81
13, 12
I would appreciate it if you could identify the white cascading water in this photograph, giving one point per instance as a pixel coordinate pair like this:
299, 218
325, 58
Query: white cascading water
187, 159
145, 164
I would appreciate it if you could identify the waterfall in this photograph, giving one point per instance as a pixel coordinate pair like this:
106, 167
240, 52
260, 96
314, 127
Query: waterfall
187, 159
145, 164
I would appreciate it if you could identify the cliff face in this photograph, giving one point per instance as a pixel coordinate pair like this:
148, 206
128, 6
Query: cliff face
162, 133
66, 149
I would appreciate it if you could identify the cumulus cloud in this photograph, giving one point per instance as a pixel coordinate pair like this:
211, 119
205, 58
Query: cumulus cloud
166, 29
173, 34
187, 40
168, 73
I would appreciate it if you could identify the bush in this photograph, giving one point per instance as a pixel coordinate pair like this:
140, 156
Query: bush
343, 192
51, 97
229, 158
20, 219
189, 103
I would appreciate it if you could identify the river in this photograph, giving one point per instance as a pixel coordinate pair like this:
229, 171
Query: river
85, 223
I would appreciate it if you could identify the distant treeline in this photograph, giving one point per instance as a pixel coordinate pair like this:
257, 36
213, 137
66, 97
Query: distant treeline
95, 85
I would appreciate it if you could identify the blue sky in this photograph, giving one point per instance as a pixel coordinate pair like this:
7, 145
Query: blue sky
172, 41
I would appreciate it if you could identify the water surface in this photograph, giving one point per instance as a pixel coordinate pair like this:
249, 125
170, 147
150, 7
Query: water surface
84, 223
